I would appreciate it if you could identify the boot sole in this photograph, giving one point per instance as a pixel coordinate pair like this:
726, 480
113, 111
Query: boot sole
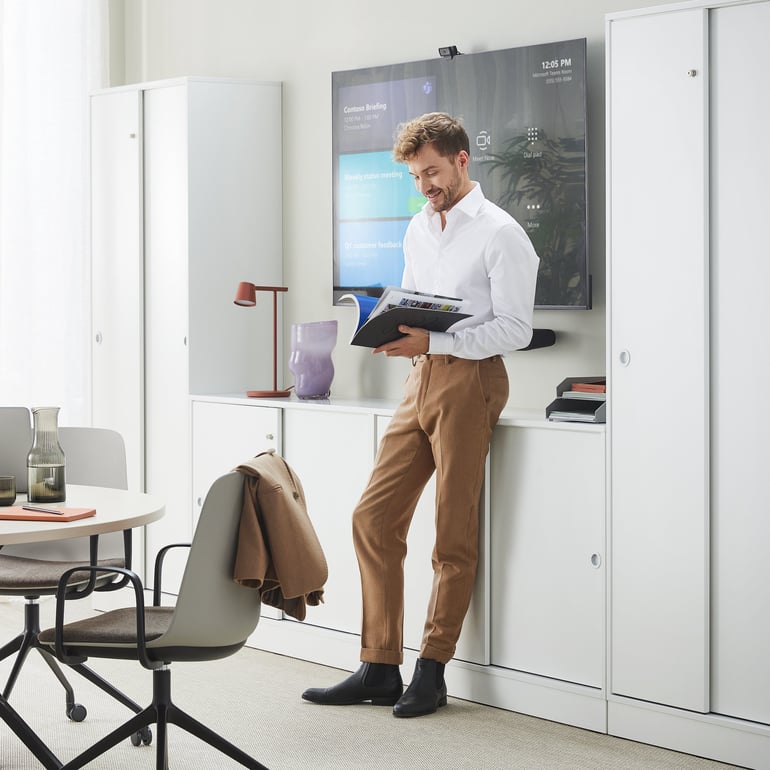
390, 700
442, 702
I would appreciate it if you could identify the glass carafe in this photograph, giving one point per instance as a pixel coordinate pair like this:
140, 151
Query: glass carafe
45, 462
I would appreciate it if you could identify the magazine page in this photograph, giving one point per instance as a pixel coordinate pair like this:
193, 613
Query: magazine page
363, 304
394, 296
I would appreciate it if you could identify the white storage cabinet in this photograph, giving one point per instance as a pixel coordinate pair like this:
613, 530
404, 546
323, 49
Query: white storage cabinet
186, 179
687, 349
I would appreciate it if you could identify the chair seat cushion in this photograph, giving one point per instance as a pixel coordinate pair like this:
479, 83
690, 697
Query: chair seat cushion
20, 575
115, 627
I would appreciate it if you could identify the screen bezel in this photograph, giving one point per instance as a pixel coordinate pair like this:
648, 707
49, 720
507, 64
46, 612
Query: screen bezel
537, 82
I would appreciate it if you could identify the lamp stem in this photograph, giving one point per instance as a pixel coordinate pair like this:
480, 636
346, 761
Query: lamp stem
275, 340
246, 296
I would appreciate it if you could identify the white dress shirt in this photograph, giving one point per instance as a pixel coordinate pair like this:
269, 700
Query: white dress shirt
482, 256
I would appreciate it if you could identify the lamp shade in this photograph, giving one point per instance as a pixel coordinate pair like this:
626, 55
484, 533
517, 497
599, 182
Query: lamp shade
246, 294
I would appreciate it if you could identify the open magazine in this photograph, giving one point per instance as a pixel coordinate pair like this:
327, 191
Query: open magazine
379, 319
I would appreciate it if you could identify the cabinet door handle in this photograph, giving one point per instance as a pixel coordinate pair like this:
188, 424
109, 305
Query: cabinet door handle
269, 436
596, 560
98, 338
624, 358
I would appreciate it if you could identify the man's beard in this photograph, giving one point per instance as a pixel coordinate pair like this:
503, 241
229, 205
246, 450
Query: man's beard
449, 195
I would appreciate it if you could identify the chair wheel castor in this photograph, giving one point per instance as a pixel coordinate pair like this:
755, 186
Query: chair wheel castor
76, 712
143, 736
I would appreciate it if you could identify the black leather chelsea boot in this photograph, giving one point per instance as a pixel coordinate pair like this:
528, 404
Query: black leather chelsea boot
376, 683
426, 693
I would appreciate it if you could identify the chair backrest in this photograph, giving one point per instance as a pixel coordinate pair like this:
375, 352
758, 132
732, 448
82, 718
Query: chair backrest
15, 443
212, 610
94, 457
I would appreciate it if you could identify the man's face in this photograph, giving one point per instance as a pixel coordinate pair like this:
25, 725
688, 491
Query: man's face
442, 180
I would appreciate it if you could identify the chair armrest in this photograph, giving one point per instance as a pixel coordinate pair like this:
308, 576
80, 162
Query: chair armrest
113, 585
158, 571
63, 593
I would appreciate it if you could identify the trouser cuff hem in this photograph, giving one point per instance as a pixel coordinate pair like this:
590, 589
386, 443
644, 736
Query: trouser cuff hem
390, 657
433, 653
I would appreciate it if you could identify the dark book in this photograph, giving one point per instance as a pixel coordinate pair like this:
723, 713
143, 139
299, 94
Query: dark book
379, 319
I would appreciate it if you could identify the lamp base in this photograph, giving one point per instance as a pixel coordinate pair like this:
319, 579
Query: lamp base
268, 393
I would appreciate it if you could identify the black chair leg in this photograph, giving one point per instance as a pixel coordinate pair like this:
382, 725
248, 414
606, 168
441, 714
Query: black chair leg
182, 719
75, 711
28, 736
105, 686
134, 725
10, 647
163, 712
22, 645
143, 736
27, 641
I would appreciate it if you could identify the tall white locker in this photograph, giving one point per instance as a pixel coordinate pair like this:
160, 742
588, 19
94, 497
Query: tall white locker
200, 212
658, 359
117, 271
740, 352
689, 265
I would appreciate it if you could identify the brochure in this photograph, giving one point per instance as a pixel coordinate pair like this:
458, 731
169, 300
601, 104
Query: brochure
45, 513
379, 319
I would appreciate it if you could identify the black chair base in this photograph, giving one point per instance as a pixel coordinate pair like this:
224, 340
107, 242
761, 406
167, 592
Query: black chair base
23, 644
27, 640
162, 712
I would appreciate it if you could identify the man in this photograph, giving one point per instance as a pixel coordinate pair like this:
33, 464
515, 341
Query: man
459, 245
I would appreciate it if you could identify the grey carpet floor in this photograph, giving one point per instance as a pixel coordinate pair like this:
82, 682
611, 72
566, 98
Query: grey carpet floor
253, 699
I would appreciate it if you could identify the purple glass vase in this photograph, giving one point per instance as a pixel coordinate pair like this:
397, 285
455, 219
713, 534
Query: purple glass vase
311, 358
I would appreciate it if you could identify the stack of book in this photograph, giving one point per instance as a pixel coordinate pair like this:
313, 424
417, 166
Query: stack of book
579, 399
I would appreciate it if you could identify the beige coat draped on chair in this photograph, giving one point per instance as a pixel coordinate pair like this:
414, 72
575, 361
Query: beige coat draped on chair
278, 549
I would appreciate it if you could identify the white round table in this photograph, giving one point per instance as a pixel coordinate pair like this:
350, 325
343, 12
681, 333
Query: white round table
116, 509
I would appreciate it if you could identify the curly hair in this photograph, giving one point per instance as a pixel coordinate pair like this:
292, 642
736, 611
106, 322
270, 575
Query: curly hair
444, 132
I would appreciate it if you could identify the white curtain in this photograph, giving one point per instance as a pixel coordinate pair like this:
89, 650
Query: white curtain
52, 55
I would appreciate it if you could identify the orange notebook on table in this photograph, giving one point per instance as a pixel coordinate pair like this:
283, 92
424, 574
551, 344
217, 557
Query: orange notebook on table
19, 513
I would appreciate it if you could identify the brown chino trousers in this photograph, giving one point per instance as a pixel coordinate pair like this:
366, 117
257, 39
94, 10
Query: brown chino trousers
444, 423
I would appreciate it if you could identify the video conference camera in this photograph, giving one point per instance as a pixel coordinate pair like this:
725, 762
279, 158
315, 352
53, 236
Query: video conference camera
449, 52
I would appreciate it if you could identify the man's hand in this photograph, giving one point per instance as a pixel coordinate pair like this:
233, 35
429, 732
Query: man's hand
413, 344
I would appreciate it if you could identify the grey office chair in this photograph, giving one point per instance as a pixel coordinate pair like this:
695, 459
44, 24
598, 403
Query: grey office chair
212, 619
15, 443
94, 457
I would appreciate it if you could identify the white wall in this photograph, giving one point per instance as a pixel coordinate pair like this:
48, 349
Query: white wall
301, 42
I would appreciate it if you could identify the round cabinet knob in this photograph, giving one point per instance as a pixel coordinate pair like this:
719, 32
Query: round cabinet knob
624, 357
596, 560
200, 502
98, 338
269, 436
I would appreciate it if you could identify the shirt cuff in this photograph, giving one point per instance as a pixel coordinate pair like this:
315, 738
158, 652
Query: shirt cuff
441, 343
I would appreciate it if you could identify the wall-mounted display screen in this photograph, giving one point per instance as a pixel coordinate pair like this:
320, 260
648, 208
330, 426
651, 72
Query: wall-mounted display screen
525, 112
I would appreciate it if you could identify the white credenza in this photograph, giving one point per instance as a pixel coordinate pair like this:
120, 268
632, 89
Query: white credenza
186, 203
534, 637
688, 264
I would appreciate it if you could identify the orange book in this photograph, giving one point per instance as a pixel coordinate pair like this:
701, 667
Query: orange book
589, 387
45, 513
